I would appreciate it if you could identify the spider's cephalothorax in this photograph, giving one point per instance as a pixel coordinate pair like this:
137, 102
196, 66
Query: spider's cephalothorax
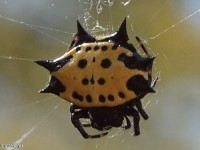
104, 78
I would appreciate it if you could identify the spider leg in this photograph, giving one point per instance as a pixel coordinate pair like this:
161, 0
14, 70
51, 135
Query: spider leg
154, 81
75, 118
76, 122
128, 123
136, 119
86, 124
73, 109
138, 105
143, 47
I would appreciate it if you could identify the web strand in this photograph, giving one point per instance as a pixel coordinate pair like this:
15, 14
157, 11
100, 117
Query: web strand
16, 58
37, 28
174, 25
31, 130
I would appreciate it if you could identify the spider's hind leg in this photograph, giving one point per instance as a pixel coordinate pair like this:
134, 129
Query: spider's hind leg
138, 105
130, 111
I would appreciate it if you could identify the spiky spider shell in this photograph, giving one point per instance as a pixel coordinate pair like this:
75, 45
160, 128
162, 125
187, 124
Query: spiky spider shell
100, 72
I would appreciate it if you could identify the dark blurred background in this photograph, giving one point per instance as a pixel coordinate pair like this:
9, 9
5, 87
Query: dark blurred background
42, 29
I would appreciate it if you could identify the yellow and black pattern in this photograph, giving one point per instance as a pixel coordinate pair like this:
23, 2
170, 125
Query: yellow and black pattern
95, 76
103, 78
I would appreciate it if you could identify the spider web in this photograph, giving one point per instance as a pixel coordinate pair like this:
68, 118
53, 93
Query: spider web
35, 30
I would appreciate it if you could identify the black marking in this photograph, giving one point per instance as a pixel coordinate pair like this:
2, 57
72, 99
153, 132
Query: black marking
104, 48
121, 94
92, 80
82, 63
106, 63
78, 48
139, 85
85, 81
54, 86
96, 47
101, 81
88, 48
129, 61
102, 98
114, 47
75, 95
88, 98
111, 97
136, 61
62, 62
93, 59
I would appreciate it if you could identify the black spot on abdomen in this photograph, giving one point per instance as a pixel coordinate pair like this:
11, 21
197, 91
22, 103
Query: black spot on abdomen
102, 98
82, 63
106, 63
111, 97
88, 98
121, 95
101, 81
93, 59
104, 48
85, 81
88, 48
78, 48
75, 95
96, 47
92, 80
114, 47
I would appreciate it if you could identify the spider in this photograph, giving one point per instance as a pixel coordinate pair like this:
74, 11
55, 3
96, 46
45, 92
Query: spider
104, 79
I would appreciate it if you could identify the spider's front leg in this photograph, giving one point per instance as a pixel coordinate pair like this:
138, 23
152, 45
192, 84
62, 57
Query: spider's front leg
75, 118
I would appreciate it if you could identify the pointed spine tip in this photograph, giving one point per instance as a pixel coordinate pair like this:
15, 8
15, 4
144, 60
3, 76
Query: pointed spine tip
83, 35
47, 64
122, 27
150, 59
124, 21
44, 91
78, 24
121, 35
47, 89
54, 87
81, 30
151, 90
